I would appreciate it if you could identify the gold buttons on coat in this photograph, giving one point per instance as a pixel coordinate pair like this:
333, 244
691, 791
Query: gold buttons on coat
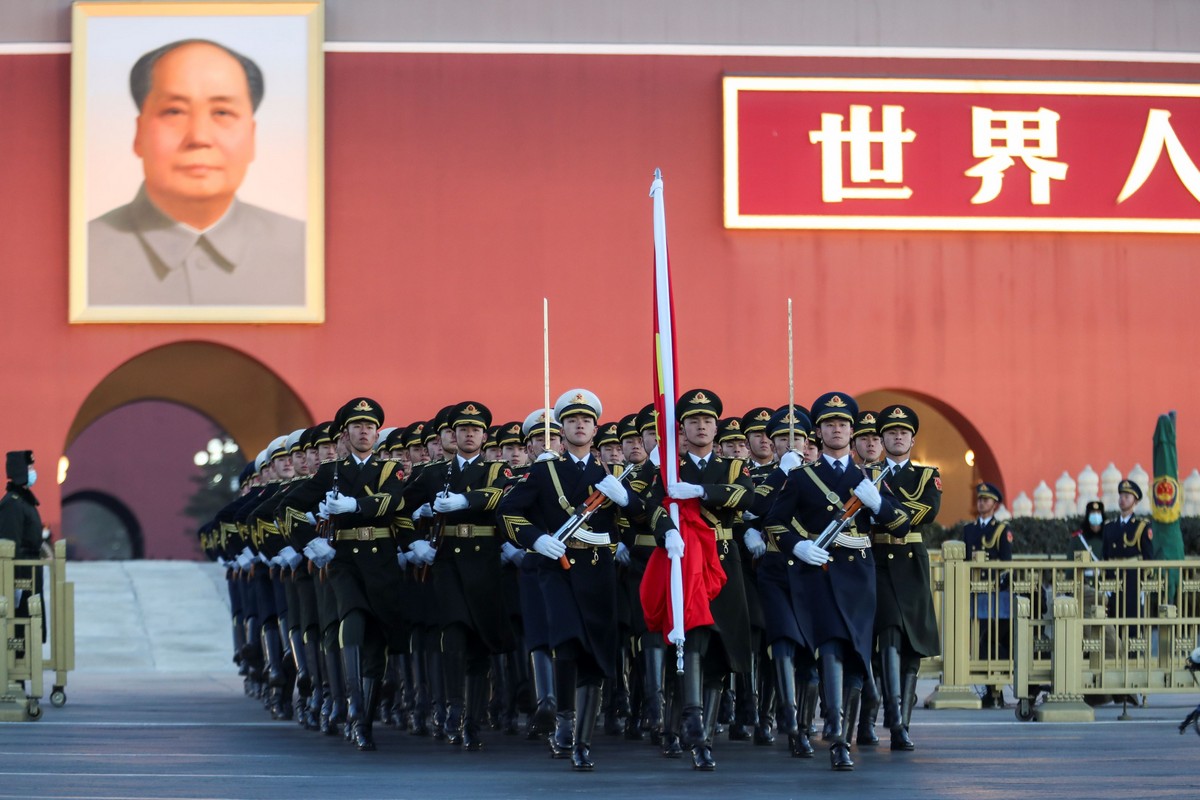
374, 549
458, 549
356, 550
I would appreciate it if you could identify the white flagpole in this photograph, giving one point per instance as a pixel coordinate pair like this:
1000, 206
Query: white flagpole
668, 445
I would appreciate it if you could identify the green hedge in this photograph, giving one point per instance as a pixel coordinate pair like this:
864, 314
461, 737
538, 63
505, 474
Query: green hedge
1053, 536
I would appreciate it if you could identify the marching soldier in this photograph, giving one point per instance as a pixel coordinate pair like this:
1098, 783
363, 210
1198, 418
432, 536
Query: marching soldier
580, 595
780, 581
724, 489
360, 496
868, 446
993, 539
463, 494
839, 583
905, 624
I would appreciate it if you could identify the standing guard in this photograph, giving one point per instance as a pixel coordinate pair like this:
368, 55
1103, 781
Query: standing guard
992, 609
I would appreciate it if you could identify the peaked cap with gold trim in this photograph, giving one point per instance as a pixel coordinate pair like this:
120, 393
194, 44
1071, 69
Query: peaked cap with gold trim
898, 416
866, 423
578, 401
834, 405
470, 412
361, 409
756, 419
730, 430
510, 433
698, 401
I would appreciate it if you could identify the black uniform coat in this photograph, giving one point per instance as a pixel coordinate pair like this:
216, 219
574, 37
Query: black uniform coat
728, 491
21, 523
840, 596
581, 602
467, 583
995, 539
364, 574
758, 475
638, 537
1133, 539
786, 614
904, 598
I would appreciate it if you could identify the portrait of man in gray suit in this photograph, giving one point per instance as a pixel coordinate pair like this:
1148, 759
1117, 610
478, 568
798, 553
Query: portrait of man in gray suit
186, 239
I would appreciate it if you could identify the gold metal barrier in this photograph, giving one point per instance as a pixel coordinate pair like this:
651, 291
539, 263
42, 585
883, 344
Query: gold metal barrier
23, 662
1074, 628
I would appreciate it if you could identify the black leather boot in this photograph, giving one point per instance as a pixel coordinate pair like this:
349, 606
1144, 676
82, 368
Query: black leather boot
866, 736
364, 737
495, 702
541, 721
316, 697
273, 649
852, 703
832, 683
587, 704
691, 725
672, 720
764, 731
652, 699
746, 715
702, 757
437, 693
616, 705
419, 718
800, 745
355, 706
908, 699
331, 723
454, 672
562, 743
477, 698
890, 661
812, 695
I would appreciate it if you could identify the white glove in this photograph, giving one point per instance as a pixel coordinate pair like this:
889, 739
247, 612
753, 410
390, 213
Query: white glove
222, 562
340, 504
402, 558
869, 495
321, 552
449, 501
290, 557
550, 547
245, 559
512, 554
322, 511
809, 553
424, 552
611, 488
685, 491
674, 544
264, 560
789, 461
654, 456
547, 455
622, 556
311, 519
749, 516
425, 511
754, 542
276, 561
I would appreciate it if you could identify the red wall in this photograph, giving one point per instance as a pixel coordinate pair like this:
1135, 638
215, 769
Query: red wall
462, 189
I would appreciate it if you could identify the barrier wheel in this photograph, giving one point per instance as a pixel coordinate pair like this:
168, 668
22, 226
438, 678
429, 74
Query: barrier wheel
58, 698
1024, 709
33, 709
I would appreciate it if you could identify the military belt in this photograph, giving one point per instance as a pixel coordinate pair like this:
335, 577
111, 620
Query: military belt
883, 538
469, 531
363, 534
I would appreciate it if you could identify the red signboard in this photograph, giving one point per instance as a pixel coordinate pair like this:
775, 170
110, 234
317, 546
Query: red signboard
915, 154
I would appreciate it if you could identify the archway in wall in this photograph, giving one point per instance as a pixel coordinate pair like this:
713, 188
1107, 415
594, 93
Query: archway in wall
948, 441
139, 437
232, 389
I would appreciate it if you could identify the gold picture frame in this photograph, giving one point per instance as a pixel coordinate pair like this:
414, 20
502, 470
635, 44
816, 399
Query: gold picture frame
226, 224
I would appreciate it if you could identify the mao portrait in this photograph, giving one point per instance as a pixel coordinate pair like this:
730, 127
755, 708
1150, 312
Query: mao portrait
187, 243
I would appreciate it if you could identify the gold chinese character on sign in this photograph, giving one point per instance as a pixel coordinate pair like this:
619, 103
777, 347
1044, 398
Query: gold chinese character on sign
861, 138
1159, 135
1000, 137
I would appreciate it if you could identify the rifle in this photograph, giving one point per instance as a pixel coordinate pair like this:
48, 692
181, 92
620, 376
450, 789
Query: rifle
439, 525
582, 513
325, 527
849, 512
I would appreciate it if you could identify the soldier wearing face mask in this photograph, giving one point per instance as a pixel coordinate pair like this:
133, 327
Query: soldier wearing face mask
21, 523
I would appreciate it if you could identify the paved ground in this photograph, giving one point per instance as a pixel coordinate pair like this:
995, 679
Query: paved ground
149, 735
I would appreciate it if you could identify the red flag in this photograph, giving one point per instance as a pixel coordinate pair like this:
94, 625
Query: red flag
703, 575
